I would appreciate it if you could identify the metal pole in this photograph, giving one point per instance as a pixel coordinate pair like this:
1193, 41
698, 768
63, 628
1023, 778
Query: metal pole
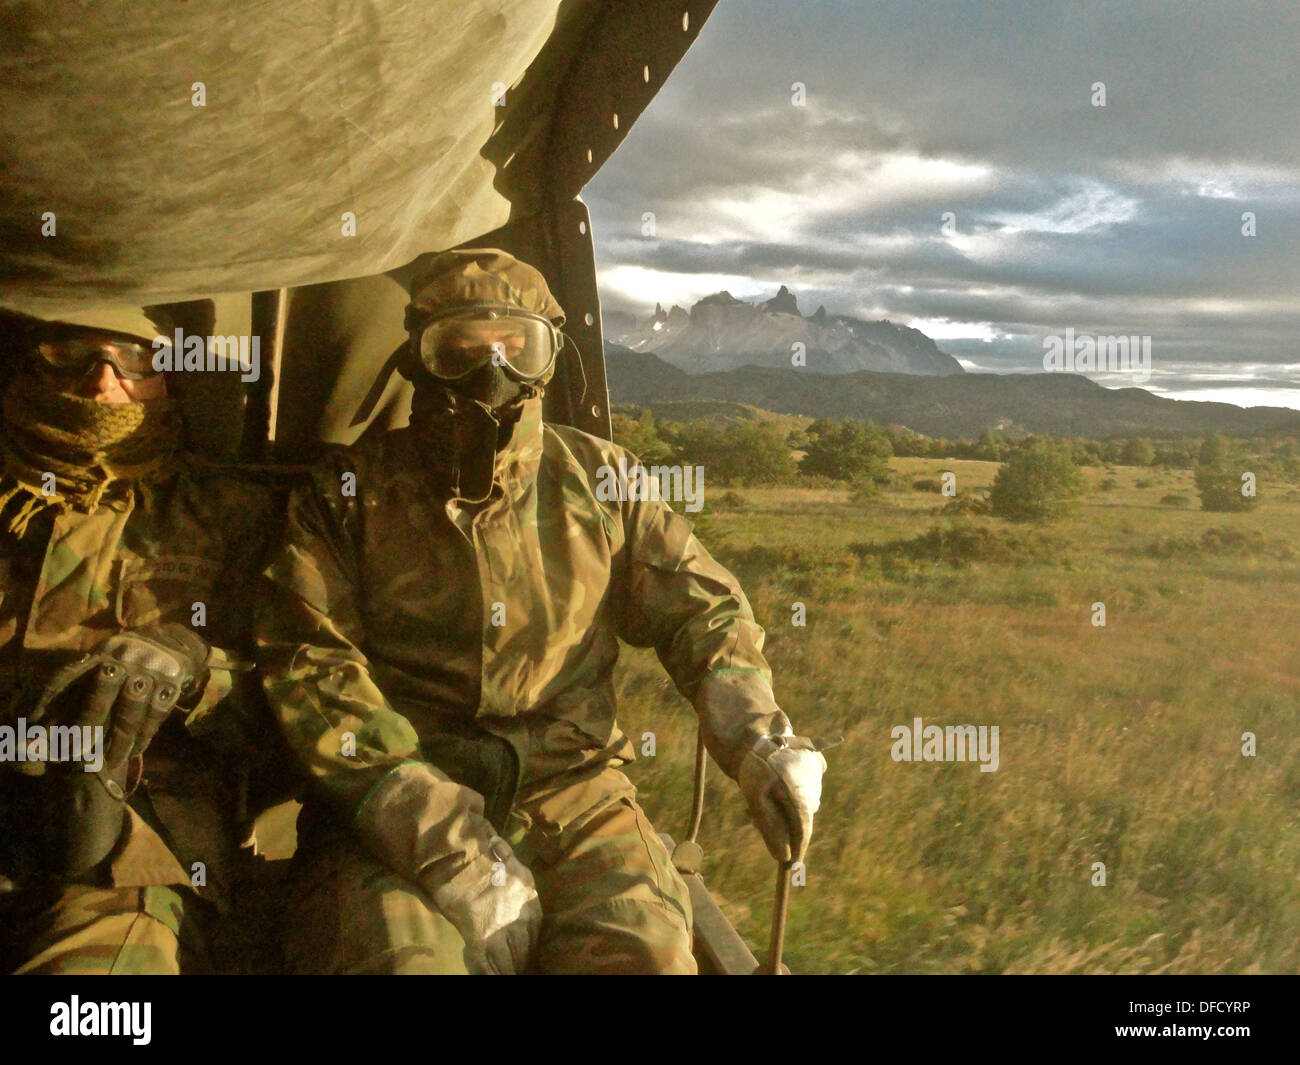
270, 316
780, 907
697, 801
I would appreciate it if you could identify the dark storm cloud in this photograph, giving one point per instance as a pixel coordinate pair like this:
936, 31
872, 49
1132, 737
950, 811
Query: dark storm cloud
1119, 219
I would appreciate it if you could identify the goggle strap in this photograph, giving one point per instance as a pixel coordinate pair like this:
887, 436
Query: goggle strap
368, 404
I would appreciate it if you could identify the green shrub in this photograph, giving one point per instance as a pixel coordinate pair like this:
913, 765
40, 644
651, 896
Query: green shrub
1219, 472
848, 452
1038, 482
1140, 452
640, 435
1216, 541
740, 453
1175, 501
959, 543
969, 503
867, 487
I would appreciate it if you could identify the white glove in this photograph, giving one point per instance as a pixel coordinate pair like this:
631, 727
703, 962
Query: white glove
493, 904
426, 827
781, 779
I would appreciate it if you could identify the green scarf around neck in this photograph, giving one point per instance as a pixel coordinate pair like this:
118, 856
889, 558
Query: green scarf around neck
96, 451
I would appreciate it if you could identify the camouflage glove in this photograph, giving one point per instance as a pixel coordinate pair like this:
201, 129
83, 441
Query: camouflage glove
494, 906
781, 779
123, 691
428, 828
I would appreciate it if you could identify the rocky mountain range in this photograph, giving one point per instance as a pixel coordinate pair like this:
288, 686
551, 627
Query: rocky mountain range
722, 333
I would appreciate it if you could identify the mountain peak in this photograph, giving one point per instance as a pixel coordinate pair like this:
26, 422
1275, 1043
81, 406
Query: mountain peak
720, 332
782, 303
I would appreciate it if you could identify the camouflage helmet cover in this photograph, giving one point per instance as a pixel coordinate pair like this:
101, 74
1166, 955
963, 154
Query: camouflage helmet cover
483, 275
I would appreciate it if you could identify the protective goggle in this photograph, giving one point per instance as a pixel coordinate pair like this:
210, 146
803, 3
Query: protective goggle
458, 341
72, 354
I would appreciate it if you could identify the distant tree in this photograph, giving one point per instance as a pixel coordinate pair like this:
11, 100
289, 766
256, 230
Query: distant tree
1110, 452
991, 448
1219, 475
1176, 457
751, 452
852, 451
1038, 482
1086, 452
1288, 459
1138, 451
907, 443
640, 435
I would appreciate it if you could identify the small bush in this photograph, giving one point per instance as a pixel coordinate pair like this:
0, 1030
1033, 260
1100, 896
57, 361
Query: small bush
1108, 485
927, 484
968, 504
865, 489
959, 544
1138, 452
1225, 541
738, 453
1175, 501
1219, 471
1038, 482
848, 452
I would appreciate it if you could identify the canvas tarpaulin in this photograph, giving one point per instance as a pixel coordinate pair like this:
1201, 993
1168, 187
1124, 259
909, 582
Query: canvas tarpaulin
161, 151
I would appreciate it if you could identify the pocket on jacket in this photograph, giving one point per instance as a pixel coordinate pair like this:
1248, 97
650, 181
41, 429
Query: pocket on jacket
155, 590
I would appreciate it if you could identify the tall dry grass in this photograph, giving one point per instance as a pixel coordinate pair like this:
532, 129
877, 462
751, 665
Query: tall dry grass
1119, 744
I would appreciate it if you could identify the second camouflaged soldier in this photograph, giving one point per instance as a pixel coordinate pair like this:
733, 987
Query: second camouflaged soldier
439, 646
120, 563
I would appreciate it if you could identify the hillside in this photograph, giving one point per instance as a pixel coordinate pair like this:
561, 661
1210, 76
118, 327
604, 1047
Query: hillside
958, 405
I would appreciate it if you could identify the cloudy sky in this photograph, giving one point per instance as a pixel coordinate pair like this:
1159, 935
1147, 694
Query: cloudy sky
1124, 219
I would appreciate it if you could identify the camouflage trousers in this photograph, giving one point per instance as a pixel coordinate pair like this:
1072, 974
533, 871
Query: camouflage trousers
84, 930
611, 900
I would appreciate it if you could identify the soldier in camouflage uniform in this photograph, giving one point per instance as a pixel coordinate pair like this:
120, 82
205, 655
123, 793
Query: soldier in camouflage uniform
440, 646
110, 532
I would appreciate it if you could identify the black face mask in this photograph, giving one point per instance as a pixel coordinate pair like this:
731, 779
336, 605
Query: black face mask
469, 420
489, 384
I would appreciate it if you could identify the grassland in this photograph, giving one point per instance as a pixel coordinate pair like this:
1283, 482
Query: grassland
1119, 744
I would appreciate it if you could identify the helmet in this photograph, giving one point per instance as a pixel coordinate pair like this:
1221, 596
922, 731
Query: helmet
484, 324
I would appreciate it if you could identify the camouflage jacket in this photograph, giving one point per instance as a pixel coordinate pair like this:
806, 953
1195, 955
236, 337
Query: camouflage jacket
145, 558
401, 617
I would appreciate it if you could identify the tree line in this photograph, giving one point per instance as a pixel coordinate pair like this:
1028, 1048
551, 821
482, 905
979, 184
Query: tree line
1039, 479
